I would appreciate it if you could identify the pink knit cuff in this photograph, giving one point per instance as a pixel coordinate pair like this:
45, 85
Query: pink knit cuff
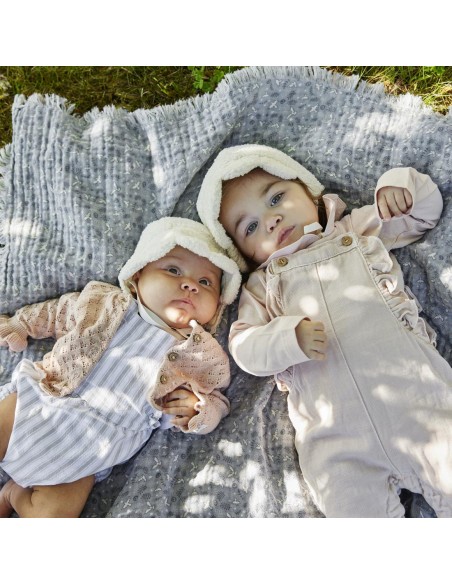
12, 334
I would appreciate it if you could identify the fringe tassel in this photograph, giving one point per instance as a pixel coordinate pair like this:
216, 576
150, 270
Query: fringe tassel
48, 100
249, 75
352, 83
109, 111
231, 82
5, 160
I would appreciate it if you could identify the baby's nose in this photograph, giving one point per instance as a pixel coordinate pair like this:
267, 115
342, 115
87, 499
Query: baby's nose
189, 286
272, 222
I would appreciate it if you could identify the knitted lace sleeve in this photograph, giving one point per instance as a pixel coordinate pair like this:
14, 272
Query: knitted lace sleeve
51, 318
211, 409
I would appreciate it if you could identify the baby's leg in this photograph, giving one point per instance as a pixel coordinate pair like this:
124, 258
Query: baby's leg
7, 413
66, 500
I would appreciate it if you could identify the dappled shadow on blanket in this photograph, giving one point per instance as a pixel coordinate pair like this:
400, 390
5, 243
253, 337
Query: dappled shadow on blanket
247, 467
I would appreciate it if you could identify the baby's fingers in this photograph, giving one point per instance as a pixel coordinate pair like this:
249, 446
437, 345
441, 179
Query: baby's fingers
383, 208
393, 202
178, 410
316, 355
181, 421
178, 394
402, 200
408, 199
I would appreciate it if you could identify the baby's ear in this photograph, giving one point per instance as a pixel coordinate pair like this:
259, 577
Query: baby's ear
136, 276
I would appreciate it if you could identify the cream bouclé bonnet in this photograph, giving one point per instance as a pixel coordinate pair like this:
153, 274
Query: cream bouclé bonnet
237, 161
161, 236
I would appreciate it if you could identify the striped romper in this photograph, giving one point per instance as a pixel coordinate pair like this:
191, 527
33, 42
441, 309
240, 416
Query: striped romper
103, 423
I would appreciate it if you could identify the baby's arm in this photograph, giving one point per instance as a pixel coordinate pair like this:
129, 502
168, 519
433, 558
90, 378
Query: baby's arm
51, 318
407, 204
264, 346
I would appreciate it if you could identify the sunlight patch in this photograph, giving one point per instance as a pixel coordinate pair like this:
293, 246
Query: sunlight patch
23, 228
385, 394
251, 481
98, 127
197, 503
328, 272
426, 374
446, 277
309, 306
358, 293
104, 447
325, 411
212, 475
231, 449
294, 500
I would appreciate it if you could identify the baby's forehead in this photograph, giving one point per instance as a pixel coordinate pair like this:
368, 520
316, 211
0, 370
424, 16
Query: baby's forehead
185, 255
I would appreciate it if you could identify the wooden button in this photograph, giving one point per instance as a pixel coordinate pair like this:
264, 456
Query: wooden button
197, 338
346, 240
282, 261
163, 378
173, 356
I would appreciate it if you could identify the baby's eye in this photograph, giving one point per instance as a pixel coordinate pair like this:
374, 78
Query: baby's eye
275, 200
205, 282
251, 228
173, 270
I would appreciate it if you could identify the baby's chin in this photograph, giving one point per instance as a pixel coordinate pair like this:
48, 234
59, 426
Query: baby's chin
179, 318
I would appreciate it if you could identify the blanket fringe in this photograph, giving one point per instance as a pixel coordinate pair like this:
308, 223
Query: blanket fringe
232, 81
256, 74
5, 159
174, 110
109, 111
48, 99
351, 83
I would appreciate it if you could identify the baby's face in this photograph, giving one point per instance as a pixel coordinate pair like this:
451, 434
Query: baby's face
180, 287
263, 213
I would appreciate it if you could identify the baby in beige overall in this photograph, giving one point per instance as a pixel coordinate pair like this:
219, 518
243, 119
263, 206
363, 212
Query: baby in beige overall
326, 312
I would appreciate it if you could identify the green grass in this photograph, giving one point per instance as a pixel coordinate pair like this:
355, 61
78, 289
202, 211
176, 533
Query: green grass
432, 84
147, 87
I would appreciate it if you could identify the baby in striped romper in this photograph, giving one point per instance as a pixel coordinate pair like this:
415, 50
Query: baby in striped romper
126, 361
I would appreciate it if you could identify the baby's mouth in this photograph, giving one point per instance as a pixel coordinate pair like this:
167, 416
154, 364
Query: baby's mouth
284, 234
185, 301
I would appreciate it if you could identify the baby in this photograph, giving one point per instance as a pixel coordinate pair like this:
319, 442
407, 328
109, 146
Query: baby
326, 311
126, 361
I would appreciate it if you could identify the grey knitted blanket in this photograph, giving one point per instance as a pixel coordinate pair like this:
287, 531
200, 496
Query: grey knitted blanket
76, 192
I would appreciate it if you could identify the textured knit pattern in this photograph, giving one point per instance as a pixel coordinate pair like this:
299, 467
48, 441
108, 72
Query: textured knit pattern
77, 192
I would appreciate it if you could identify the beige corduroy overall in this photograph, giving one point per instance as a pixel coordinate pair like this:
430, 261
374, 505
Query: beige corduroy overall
376, 414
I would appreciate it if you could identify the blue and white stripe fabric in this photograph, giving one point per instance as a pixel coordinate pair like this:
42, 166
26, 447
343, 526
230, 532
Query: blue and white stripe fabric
103, 423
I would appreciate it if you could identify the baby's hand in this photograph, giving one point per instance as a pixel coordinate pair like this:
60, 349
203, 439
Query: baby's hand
393, 202
181, 403
312, 339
